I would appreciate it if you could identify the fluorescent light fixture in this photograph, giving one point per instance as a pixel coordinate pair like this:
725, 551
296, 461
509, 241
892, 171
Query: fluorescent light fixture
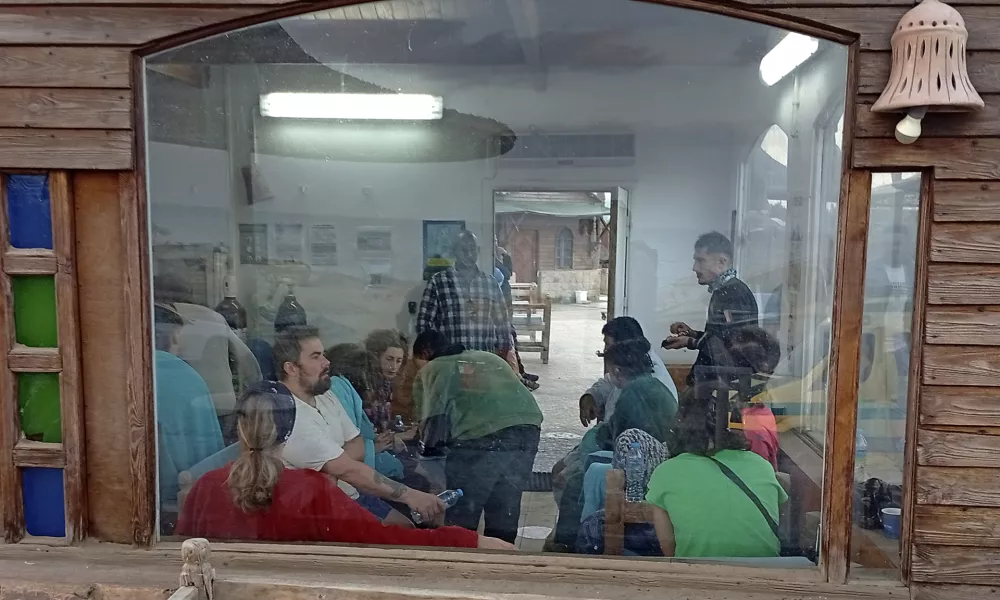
361, 107
790, 52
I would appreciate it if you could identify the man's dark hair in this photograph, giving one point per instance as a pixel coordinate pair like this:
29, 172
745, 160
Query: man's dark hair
697, 432
170, 288
623, 328
432, 344
630, 356
288, 346
354, 363
166, 322
714, 242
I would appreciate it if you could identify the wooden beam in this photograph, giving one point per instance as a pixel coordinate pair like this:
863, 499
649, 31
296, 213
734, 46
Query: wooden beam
29, 262
28, 453
931, 591
848, 309
963, 406
957, 526
949, 449
963, 284
963, 325
22, 359
70, 392
65, 149
956, 564
958, 486
981, 123
962, 365
981, 65
54, 108
110, 25
967, 200
11, 499
952, 158
976, 243
60, 66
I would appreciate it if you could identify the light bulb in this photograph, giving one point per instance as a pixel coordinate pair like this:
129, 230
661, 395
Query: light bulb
908, 129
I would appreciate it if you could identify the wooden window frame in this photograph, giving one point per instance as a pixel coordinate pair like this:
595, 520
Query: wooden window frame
562, 266
853, 217
15, 451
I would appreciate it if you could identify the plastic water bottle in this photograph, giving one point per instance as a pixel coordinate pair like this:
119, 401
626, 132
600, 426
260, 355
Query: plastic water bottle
860, 456
398, 425
635, 474
449, 497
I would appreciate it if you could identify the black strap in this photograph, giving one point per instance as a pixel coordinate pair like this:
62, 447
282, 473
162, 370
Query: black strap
753, 497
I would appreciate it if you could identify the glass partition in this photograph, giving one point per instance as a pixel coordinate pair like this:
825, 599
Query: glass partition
384, 244
885, 366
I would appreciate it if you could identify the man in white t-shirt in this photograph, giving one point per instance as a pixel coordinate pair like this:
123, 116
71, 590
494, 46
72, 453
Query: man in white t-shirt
324, 438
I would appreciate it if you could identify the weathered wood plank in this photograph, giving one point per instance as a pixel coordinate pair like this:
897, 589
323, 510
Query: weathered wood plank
965, 242
967, 406
958, 486
874, 70
957, 526
107, 25
66, 108
100, 279
932, 591
18, 261
11, 499
65, 149
954, 158
963, 325
956, 564
985, 122
967, 200
39, 454
56, 66
949, 449
70, 389
875, 25
22, 359
963, 284
961, 365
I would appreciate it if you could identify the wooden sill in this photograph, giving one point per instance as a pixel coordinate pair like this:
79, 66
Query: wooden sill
400, 573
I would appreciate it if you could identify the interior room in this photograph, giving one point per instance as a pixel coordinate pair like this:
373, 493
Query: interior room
278, 179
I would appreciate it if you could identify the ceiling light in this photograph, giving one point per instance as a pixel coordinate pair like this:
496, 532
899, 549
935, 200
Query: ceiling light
790, 52
390, 107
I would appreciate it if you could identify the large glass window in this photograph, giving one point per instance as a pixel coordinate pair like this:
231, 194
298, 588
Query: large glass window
356, 317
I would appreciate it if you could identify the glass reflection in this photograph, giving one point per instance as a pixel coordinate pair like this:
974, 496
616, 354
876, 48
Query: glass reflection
565, 257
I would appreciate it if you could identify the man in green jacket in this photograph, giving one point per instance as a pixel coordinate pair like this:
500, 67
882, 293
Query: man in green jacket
476, 416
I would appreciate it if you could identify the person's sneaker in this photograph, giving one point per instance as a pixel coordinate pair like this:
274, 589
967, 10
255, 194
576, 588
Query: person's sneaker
531, 385
530, 376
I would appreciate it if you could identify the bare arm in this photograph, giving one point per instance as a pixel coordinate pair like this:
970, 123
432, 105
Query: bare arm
372, 482
355, 448
664, 531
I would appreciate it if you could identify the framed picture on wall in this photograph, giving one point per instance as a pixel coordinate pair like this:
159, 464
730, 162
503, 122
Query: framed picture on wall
439, 237
323, 245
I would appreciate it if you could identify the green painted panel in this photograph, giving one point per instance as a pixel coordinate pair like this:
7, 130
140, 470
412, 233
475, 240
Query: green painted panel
38, 398
35, 311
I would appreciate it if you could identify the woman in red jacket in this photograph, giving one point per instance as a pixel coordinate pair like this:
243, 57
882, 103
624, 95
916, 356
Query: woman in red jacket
256, 498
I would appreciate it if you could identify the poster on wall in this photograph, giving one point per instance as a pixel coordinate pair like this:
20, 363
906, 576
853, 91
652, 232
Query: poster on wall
289, 242
439, 239
323, 245
253, 244
375, 241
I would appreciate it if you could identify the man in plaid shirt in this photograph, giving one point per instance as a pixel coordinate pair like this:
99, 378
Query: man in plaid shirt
466, 305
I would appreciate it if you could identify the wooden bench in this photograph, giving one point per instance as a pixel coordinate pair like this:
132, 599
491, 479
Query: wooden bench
532, 320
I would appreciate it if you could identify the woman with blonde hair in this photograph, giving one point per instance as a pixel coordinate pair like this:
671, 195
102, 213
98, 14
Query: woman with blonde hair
257, 498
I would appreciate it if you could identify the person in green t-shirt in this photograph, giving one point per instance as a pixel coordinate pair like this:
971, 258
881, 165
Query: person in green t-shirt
699, 510
476, 416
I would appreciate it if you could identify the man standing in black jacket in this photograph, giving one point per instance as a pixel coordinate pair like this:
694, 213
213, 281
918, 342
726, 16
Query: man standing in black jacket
731, 308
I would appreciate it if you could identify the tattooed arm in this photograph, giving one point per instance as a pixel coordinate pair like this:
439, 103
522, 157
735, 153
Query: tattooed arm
370, 481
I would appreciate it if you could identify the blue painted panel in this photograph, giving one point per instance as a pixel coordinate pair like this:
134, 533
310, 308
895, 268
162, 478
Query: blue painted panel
29, 211
44, 511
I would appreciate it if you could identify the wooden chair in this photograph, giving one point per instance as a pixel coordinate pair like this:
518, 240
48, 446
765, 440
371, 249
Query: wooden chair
618, 513
531, 320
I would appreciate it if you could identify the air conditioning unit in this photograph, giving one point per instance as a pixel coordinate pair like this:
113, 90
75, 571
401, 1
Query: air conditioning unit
550, 150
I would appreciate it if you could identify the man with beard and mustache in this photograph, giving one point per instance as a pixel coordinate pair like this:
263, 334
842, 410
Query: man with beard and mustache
324, 439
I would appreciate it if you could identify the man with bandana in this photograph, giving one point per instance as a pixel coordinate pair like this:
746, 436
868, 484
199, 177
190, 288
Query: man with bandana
731, 308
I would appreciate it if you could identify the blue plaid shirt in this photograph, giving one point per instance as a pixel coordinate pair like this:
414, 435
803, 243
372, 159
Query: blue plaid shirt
468, 308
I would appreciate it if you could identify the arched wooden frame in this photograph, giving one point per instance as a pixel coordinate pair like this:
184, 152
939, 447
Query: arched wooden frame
845, 352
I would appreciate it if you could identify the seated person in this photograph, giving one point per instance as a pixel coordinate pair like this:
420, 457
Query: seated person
350, 380
387, 348
653, 451
617, 330
188, 426
257, 498
324, 439
700, 508
644, 404
478, 418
